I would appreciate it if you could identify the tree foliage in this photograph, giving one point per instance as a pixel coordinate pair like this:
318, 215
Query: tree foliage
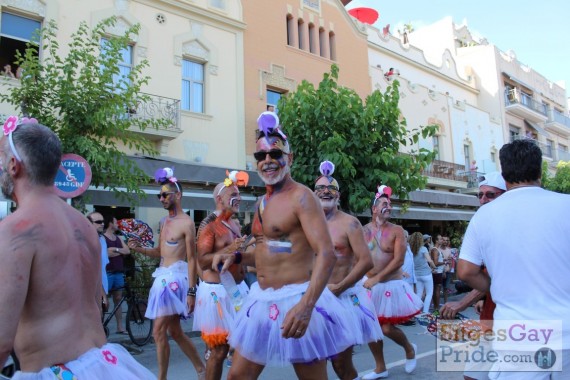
85, 99
560, 182
362, 139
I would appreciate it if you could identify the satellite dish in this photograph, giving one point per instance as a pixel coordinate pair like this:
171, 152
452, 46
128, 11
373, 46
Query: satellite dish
364, 15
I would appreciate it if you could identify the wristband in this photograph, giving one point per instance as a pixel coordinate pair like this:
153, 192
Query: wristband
192, 291
238, 257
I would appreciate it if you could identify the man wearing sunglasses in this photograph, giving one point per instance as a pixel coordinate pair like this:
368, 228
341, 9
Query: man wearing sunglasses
289, 316
50, 271
98, 221
523, 240
353, 261
173, 293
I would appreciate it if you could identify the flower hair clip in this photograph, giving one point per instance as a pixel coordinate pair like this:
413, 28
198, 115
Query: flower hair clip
235, 178
268, 123
383, 190
10, 125
166, 175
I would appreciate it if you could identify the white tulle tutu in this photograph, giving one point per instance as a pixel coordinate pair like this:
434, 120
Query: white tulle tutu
257, 331
362, 314
109, 362
214, 313
168, 292
395, 301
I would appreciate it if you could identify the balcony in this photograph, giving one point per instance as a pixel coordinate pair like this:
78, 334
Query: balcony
558, 122
447, 174
523, 105
155, 107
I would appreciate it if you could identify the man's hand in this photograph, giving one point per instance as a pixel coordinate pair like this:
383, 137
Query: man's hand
405, 275
133, 243
479, 306
296, 321
226, 258
450, 309
369, 283
191, 302
335, 289
235, 246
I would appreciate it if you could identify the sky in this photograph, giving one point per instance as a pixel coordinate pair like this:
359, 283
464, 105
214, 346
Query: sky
537, 32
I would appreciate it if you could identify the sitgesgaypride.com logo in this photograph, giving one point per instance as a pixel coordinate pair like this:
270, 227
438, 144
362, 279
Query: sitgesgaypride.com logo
506, 346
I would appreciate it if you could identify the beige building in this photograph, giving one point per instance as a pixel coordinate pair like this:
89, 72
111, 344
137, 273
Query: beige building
287, 41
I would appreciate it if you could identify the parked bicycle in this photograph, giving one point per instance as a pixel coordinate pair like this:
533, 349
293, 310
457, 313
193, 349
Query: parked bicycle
139, 327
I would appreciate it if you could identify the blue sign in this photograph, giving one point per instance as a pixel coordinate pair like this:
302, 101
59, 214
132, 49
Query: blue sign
73, 176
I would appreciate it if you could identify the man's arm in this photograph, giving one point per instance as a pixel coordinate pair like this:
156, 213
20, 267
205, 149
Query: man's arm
206, 246
16, 258
312, 219
450, 309
473, 275
362, 256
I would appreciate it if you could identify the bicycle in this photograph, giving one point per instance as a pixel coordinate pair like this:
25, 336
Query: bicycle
139, 327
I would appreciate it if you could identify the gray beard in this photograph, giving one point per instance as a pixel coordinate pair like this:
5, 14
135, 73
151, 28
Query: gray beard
6, 184
273, 181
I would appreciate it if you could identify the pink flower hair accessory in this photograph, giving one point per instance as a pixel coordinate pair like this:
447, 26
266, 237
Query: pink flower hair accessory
10, 125
383, 190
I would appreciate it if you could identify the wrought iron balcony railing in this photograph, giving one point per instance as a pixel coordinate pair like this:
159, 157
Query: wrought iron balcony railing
158, 107
515, 96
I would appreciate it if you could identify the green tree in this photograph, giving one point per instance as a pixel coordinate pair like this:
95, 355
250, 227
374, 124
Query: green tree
332, 123
560, 182
84, 98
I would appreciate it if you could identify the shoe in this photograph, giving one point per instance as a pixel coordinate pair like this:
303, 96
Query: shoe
122, 332
207, 354
411, 363
229, 363
373, 375
410, 322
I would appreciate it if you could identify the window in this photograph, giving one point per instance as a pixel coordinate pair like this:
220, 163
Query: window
514, 133
467, 154
290, 31
332, 46
272, 99
493, 157
192, 86
15, 33
312, 39
301, 34
125, 64
548, 148
322, 42
435, 141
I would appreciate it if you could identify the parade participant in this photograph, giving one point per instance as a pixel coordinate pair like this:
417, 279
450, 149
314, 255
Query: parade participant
215, 312
394, 299
523, 236
353, 261
289, 315
173, 292
51, 270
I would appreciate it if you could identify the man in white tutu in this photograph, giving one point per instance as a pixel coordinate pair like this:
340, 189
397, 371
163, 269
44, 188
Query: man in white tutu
173, 292
51, 270
215, 312
289, 317
394, 299
353, 261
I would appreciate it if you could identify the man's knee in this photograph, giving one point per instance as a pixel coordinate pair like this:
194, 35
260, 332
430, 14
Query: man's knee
219, 353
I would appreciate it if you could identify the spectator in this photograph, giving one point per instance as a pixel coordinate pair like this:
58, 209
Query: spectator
423, 266
99, 223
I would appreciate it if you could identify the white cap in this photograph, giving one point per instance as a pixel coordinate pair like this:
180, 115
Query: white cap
494, 179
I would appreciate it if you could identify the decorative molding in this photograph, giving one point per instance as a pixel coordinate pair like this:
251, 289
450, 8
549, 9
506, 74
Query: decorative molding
213, 69
141, 51
275, 78
196, 49
32, 6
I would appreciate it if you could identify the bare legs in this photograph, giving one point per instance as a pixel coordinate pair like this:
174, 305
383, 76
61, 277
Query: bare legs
343, 366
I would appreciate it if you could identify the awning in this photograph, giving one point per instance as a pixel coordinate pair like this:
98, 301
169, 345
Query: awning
536, 128
421, 213
443, 198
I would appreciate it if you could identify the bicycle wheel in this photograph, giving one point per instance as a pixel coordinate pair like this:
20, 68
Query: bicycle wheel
138, 326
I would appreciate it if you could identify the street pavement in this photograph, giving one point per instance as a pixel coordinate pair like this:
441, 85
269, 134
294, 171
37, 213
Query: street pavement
181, 368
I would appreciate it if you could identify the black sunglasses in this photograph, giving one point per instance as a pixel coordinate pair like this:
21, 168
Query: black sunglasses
274, 154
164, 195
489, 194
98, 222
330, 188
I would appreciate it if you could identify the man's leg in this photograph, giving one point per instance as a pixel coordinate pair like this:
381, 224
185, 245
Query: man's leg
399, 337
185, 344
377, 349
117, 295
214, 365
159, 331
343, 366
243, 369
312, 371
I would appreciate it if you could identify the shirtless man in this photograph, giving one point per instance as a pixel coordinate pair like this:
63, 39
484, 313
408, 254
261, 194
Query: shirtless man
173, 292
215, 313
394, 299
51, 269
288, 316
353, 261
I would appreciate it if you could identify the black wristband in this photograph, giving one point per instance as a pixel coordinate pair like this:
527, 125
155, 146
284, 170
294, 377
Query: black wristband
238, 257
192, 291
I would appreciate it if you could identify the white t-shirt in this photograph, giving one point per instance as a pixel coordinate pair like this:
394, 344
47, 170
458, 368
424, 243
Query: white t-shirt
523, 237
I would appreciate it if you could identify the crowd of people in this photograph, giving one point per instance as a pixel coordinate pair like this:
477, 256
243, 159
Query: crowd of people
323, 282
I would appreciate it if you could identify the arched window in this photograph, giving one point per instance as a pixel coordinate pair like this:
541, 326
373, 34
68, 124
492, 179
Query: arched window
312, 39
290, 30
332, 46
301, 33
322, 42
